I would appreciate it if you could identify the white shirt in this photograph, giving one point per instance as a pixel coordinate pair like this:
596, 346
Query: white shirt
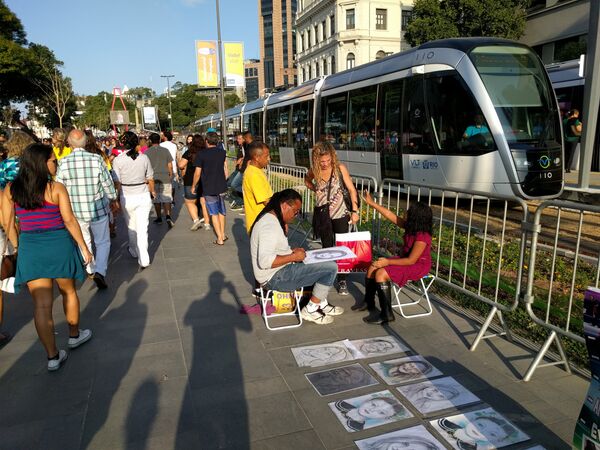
172, 147
266, 243
128, 171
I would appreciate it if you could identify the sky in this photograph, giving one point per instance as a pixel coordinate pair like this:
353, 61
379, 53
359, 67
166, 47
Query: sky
113, 43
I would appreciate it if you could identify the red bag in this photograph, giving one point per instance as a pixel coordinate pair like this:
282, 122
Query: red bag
360, 243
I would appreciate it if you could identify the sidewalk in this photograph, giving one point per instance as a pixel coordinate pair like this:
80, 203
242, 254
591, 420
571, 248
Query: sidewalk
174, 365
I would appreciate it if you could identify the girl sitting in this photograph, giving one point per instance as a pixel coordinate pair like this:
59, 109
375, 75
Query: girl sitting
414, 263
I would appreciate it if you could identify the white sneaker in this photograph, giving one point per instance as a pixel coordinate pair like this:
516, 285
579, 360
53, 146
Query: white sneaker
206, 226
331, 310
197, 224
84, 336
54, 364
317, 317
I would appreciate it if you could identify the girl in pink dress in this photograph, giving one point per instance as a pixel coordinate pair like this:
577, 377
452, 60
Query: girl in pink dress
414, 263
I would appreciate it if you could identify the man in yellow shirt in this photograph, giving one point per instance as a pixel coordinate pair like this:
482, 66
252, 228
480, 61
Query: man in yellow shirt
255, 186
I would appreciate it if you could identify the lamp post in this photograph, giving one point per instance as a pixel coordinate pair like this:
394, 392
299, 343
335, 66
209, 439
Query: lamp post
169, 97
221, 75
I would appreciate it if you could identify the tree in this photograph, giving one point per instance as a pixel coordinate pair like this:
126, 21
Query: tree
435, 19
56, 91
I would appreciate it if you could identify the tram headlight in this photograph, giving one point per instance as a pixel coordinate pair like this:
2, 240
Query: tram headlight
520, 159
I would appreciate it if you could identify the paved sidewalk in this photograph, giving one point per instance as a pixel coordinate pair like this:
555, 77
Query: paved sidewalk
174, 365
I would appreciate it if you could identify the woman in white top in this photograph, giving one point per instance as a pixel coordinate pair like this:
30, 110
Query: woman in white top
134, 179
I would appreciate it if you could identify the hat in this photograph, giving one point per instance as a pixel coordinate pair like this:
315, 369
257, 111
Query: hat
211, 130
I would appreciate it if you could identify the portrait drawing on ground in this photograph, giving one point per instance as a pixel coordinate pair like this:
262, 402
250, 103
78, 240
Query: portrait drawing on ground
341, 379
378, 346
484, 429
436, 395
414, 438
368, 411
322, 354
405, 370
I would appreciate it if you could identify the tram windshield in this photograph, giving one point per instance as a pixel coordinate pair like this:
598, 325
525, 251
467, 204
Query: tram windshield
520, 92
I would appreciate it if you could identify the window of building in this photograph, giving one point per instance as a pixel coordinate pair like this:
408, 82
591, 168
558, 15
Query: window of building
324, 27
325, 67
350, 61
316, 34
331, 25
301, 42
350, 19
317, 69
333, 64
308, 42
406, 18
380, 54
381, 19
303, 74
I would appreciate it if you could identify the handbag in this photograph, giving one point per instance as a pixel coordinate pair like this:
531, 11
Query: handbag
284, 302
360, 243
322, 226
8, 267
346, 195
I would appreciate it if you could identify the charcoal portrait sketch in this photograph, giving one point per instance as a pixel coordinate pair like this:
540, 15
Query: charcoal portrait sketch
322, 354
414, 438
405, 370
341, 379
436, 395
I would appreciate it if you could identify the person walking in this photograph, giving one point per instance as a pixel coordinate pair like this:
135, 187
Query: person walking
211, 171
573, 129
59, 140
134, 180
167, 142
186, 165
93, 195
47, 243
162, 165
256, 188
329, 179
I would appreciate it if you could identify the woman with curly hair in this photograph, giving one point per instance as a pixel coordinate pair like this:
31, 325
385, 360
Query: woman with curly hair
414, 263
59, 143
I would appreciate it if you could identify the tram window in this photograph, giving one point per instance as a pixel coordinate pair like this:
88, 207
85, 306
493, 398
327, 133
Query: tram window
282, 132
416, 130
302, 132
458, 125
388, 131
272, 132
333, 121
362, 119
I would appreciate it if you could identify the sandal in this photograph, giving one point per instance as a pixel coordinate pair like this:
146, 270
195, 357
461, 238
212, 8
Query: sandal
217, 243
4, 338
225, 238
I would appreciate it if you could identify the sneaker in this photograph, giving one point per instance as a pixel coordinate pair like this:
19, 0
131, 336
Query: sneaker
84, 336
197, 224
236, 207
342, 288
331, 310
100, 281
207, 227
170, 222
317, 317
132, 252
54, 364
157, 220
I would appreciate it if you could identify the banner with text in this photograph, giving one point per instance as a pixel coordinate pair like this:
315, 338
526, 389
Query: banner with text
234, 64
206, 63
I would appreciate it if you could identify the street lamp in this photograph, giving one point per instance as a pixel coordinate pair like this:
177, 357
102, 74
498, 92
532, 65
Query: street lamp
221, 74
169, 97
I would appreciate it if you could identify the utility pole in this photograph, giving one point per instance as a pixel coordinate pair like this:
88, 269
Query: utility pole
221, 77
169, 97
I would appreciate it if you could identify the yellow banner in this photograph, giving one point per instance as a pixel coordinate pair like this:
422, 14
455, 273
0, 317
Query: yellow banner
206, 63
234, 64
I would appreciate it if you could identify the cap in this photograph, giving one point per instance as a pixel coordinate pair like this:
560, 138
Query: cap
211, 130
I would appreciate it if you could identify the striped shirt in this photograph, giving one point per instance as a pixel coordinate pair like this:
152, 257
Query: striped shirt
46, 218
88, 183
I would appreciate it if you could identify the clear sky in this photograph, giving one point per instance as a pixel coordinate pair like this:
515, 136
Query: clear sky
108, 43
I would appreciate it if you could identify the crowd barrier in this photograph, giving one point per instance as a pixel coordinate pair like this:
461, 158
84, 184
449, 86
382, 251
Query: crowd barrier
492, 249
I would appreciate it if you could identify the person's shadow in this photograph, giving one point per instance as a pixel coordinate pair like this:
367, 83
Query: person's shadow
216, 392
142, 413
242, 241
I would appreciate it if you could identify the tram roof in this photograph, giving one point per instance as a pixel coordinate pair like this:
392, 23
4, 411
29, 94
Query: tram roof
254, 105
303, 90
236, 110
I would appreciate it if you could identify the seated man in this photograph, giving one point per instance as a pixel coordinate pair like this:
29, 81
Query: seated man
278, 267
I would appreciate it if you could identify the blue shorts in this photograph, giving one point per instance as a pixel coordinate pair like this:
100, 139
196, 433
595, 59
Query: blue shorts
215, 204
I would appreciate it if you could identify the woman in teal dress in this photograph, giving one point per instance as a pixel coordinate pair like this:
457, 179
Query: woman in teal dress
48, 241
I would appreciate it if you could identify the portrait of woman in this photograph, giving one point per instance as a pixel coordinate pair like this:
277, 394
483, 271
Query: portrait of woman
321, 355
369, 411
404, 370
340, 379
437, 395
379, 346
414, 438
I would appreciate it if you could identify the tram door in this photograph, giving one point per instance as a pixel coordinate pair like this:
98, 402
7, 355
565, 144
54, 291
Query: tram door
389, 120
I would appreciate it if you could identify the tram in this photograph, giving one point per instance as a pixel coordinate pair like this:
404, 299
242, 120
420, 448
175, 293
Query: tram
468, 113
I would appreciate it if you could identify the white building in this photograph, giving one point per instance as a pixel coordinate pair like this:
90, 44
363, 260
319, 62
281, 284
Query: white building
335, 35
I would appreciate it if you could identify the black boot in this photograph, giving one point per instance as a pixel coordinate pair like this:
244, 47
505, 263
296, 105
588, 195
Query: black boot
369, 299
387, 315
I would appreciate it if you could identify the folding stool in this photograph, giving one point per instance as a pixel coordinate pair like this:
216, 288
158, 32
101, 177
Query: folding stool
423, 292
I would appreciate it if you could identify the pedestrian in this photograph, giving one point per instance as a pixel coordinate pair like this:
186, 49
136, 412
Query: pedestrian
328, 178
134, 180
162, 166
48, 241
93, 196
9, 168
192, 200
256, 188
573, 128
413, 264
235, 179
59, 143
211, 171
278, 267
167, 142
188, 141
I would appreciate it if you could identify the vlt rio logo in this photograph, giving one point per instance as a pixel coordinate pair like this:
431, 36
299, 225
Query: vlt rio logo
544, 162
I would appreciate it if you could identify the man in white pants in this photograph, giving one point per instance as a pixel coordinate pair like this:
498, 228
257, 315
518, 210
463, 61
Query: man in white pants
92, 192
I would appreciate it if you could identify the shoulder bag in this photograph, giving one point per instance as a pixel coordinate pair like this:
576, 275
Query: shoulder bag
322, 227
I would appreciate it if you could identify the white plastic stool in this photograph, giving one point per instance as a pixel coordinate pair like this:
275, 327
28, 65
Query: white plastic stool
266, 297
423, 292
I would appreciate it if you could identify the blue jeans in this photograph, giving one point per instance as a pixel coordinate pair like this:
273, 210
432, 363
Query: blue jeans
295, 276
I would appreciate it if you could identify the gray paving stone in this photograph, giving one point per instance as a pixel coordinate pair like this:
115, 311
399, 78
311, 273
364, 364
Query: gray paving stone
293, 441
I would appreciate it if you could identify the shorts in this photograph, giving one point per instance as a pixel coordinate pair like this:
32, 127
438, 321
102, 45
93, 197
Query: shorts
164, 192
215, 204
187, 193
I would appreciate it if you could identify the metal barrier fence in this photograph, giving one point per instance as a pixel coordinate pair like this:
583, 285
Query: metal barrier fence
564, 260
468, 244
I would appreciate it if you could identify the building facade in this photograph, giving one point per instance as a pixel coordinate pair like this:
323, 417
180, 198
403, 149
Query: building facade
254, 79
557, 30
277, 43
335, 35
